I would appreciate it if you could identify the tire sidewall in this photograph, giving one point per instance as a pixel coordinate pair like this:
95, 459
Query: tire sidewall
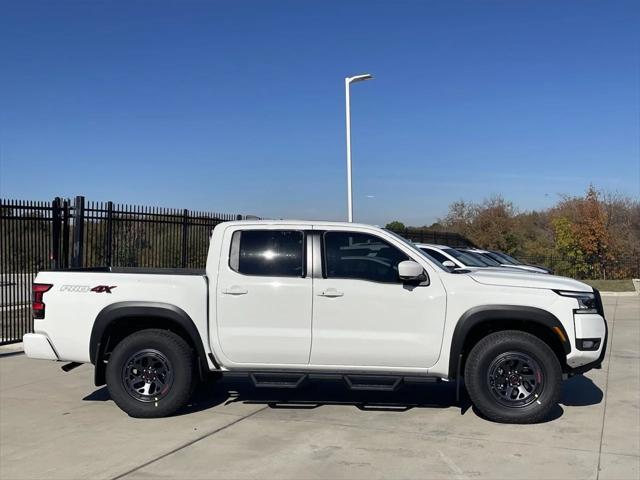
180, 363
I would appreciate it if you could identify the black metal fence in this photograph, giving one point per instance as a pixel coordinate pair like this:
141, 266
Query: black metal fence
108, 234
618, 269
25, 247
418, 235
36, 236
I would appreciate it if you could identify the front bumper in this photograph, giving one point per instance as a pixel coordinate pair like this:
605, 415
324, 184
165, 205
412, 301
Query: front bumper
597, 363
37, 345
589, 326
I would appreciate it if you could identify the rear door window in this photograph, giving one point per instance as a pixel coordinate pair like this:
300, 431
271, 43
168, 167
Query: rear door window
268, 253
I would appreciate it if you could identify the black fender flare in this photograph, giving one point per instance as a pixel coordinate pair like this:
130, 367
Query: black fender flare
133, 309
485, 313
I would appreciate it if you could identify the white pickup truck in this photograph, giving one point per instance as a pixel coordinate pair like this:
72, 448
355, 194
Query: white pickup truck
287, 301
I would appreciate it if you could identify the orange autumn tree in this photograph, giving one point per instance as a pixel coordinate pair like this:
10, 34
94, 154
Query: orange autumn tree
590, 230
581, 234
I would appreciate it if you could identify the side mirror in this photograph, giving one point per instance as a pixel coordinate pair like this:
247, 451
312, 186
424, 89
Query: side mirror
410, 270
449, 264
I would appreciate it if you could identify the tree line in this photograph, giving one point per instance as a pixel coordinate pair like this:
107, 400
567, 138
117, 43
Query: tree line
594, 235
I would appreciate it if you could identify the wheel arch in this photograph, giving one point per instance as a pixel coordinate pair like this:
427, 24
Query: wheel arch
480, 321
116, 321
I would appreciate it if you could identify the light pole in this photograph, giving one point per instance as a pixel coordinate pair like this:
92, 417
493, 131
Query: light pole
347, 83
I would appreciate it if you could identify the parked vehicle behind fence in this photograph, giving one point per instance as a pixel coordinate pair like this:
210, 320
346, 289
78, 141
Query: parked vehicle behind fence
508, 261
455, 258
284, 302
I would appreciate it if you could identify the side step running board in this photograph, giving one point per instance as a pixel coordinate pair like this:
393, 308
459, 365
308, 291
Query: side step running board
67, 367
354, 381
277, 380
382, 383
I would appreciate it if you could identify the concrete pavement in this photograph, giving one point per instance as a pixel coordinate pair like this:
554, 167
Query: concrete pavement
57, 425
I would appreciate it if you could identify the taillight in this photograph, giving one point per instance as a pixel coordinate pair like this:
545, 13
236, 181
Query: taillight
37, 305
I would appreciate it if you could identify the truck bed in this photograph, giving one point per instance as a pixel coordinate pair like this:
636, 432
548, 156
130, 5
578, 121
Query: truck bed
77, 297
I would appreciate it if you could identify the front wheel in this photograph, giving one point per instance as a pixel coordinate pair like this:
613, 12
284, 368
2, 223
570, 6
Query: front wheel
513, 377
151, 373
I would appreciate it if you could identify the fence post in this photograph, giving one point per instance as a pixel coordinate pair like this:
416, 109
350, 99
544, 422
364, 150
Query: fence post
109, 236
55, 233
78, 233
185, 219
65, 234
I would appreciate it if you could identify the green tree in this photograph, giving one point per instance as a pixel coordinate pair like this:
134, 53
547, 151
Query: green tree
395, 225
568, 246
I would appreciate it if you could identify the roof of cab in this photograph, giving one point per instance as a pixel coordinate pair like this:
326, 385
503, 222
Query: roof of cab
318, 223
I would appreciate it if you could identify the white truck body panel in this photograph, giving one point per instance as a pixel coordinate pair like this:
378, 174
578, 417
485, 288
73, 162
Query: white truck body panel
71, 306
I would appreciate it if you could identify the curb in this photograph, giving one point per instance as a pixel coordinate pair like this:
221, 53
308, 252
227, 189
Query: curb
619, 294
11, 349
636, 285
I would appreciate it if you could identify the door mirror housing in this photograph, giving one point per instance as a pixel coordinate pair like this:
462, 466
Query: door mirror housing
449, 264
410, 270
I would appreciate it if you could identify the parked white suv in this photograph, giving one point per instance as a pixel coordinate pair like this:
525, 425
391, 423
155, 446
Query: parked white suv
507, 261
453, 258
285, 301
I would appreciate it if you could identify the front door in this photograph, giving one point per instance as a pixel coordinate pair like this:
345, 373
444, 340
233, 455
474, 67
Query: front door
364, 315
264, 297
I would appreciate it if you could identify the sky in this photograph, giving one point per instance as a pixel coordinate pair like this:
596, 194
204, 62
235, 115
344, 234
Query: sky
238, 106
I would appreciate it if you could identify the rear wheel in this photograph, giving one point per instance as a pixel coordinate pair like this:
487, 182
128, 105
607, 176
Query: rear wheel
513, 377
151, 373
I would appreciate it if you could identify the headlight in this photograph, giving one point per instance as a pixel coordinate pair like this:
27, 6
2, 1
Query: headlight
586, 301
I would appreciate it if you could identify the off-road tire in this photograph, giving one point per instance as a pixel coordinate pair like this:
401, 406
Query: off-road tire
493, 402
173, 353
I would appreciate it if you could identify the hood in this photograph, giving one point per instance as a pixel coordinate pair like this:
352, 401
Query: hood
513, 278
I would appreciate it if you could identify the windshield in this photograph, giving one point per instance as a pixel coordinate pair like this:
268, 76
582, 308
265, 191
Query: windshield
418, 250
505, 258
465, 258
486, 258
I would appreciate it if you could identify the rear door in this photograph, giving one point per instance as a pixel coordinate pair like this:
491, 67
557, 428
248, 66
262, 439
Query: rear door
264, 296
